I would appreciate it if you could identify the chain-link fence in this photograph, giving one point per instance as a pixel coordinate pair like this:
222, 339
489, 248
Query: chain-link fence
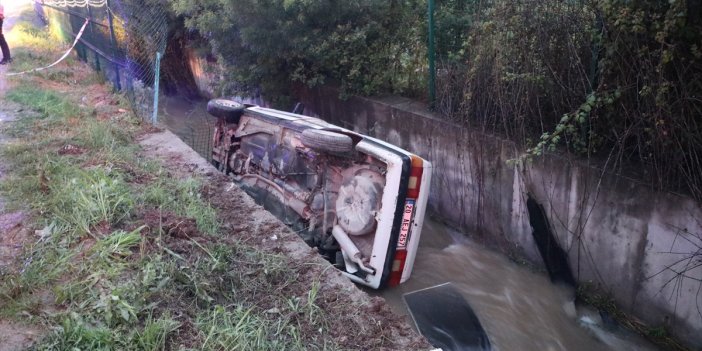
126, 41
189, 120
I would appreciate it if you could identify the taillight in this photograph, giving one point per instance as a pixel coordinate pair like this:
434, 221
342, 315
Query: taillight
415, 179
398, 265
413, 186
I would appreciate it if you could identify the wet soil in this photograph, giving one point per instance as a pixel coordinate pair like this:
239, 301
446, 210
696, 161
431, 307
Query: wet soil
15, 336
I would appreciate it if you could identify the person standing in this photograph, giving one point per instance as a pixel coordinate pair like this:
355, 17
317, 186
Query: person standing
6, 58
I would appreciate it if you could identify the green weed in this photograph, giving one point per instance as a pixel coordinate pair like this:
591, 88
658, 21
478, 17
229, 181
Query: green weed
155, 333
74, 334
103, 136
183, 198
118, 245
29, 38
20, 191
188, 191
82, 199
60, 75
240, 328
47, 103
43, 265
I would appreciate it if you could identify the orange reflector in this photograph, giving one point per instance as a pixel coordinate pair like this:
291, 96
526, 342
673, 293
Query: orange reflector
415, 180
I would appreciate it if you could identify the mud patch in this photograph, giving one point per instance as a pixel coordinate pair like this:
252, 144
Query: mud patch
15, 336
13, 238
170, 224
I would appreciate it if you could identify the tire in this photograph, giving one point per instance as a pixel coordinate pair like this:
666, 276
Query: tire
327, 141
228, 110
359, 199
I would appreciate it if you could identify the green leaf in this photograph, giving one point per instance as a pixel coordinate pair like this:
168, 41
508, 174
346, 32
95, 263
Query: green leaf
591, 99
124, 313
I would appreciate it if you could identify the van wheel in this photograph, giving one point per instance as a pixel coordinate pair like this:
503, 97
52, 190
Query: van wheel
327, 141
228, 110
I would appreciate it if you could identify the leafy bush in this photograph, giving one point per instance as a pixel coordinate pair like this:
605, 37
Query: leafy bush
522, 65
651, 57
365, 46
611, 79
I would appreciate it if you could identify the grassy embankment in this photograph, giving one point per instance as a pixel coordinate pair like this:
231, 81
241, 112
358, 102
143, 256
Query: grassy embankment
126, 256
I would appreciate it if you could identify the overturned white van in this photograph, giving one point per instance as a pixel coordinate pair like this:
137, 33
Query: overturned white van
360, 201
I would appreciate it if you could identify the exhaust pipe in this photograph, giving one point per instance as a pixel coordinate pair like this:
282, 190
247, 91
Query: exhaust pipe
350, 250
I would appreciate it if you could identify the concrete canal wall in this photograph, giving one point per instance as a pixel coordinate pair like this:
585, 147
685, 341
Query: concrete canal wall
642, 245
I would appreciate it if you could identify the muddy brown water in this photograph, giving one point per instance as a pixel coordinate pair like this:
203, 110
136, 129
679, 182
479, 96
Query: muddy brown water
520, 309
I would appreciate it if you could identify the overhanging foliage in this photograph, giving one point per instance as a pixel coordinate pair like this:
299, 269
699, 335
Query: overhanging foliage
364, 46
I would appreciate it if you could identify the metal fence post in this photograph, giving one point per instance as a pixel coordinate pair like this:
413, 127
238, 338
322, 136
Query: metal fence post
97, 57
113, 40
593, 76
157, 72
432, 56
